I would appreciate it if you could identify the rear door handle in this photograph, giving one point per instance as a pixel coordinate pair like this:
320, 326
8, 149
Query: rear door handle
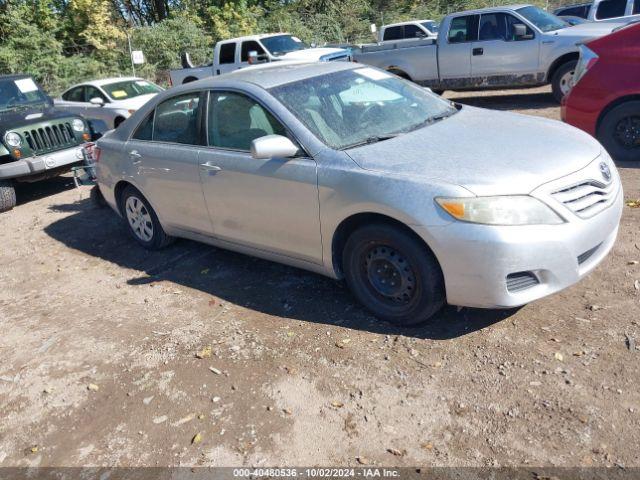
478, 51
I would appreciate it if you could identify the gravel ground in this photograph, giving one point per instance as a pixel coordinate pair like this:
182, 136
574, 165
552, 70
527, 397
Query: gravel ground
101, 341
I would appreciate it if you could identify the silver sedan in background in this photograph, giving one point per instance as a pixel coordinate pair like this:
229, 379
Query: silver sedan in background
354, 173
111, 100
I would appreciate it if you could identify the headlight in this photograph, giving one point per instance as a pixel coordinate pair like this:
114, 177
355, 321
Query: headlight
505, 210
78, 125
13, 139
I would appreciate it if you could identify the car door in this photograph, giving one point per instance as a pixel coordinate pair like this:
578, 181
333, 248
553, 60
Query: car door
499, 55
454, 52
99, 112
267, 204
164, 152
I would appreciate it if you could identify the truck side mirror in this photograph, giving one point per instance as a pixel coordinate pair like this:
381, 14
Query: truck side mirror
520, 32
255, 57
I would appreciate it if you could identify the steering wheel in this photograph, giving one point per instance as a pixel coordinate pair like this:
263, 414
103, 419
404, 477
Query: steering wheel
372, 114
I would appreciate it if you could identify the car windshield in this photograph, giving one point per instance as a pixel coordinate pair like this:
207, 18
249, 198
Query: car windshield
431, 26
355, 107
130, 88
281, 44
545, 21
20, 92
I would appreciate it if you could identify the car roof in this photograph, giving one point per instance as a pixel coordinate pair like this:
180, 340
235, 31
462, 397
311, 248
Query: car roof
408, 22
104, 81
492, 9
273, 74
14, 76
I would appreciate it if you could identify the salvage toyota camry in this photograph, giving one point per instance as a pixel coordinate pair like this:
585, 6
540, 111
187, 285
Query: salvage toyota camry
354, 173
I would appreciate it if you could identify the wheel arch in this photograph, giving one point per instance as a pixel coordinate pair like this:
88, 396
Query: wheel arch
561, 60
350, 224
189, 79
615, 103
399, 71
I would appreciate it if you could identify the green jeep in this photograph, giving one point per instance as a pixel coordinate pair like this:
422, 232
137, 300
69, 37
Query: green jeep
37, 141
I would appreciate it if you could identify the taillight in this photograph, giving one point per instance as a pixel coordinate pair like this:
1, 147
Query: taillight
93, 152
96, 154
588, 59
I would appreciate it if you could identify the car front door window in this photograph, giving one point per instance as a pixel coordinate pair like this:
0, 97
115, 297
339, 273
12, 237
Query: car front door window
74, 95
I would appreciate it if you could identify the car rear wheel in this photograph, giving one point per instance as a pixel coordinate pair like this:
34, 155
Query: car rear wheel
7, 195
561, 81
619, 131
393, 274
142, 221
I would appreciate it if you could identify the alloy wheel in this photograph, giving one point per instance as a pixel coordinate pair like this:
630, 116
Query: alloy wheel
139, 218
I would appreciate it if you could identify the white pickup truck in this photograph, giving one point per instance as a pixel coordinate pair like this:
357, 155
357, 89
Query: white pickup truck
235, 53
408, 30
512, 46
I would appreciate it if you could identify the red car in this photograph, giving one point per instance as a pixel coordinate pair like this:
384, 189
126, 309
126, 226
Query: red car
605, 98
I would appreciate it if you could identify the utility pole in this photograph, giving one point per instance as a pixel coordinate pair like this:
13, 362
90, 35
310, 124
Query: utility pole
133, 67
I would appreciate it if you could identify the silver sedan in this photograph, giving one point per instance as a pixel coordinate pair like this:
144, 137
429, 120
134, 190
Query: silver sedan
353, 173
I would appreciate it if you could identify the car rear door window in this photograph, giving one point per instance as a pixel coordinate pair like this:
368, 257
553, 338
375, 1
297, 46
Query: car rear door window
250, 46
176, 120
611, 9
235, 120
228, 53
74, 95
393, 33
464, 29
145, 129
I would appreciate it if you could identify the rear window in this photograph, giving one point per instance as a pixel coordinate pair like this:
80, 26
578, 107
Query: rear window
393, 33
611, 9
464, 29
228, 53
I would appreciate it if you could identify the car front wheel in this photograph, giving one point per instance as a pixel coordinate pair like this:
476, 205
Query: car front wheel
142, 221
7, 195
393, 274
561, 81
619, 132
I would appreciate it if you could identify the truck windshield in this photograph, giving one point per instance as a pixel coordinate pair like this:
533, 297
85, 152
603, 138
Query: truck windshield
431, 26
355, 107
545, 21
130, 88
20, 92
281, 44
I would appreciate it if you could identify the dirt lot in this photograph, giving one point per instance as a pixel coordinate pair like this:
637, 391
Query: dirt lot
100, 339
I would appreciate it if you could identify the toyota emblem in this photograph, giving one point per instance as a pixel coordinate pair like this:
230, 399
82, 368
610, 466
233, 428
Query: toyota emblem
606, 171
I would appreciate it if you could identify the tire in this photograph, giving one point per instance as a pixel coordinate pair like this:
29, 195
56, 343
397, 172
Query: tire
141, 220
374, 256
619, 132
7, 195
560, 82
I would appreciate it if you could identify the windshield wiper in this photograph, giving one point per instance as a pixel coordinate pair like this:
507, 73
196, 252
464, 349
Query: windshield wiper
372, 139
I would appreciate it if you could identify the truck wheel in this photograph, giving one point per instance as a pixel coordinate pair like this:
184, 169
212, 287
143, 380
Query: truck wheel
7, 195
142, 221
561, 81
619, 132
393, 274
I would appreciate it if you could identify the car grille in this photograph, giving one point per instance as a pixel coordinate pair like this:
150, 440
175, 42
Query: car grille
588, 198
50, 138
516, 282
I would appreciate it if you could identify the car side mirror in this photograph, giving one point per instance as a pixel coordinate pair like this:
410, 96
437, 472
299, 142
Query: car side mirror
271, 146
97, 101
520, 32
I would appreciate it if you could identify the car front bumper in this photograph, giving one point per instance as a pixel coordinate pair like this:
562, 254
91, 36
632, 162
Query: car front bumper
477, 260
41, 163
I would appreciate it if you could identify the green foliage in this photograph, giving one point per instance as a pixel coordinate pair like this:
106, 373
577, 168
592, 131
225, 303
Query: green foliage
62, 42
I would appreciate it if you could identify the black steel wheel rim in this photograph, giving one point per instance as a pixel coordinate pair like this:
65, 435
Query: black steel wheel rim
627, 132
389, 274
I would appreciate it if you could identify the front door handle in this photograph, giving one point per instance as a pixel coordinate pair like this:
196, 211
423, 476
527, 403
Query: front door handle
478, 51
210, 167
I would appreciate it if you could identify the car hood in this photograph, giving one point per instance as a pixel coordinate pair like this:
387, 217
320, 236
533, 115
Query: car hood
486, 152
13, 119
132, 103
588, 30
313, 53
